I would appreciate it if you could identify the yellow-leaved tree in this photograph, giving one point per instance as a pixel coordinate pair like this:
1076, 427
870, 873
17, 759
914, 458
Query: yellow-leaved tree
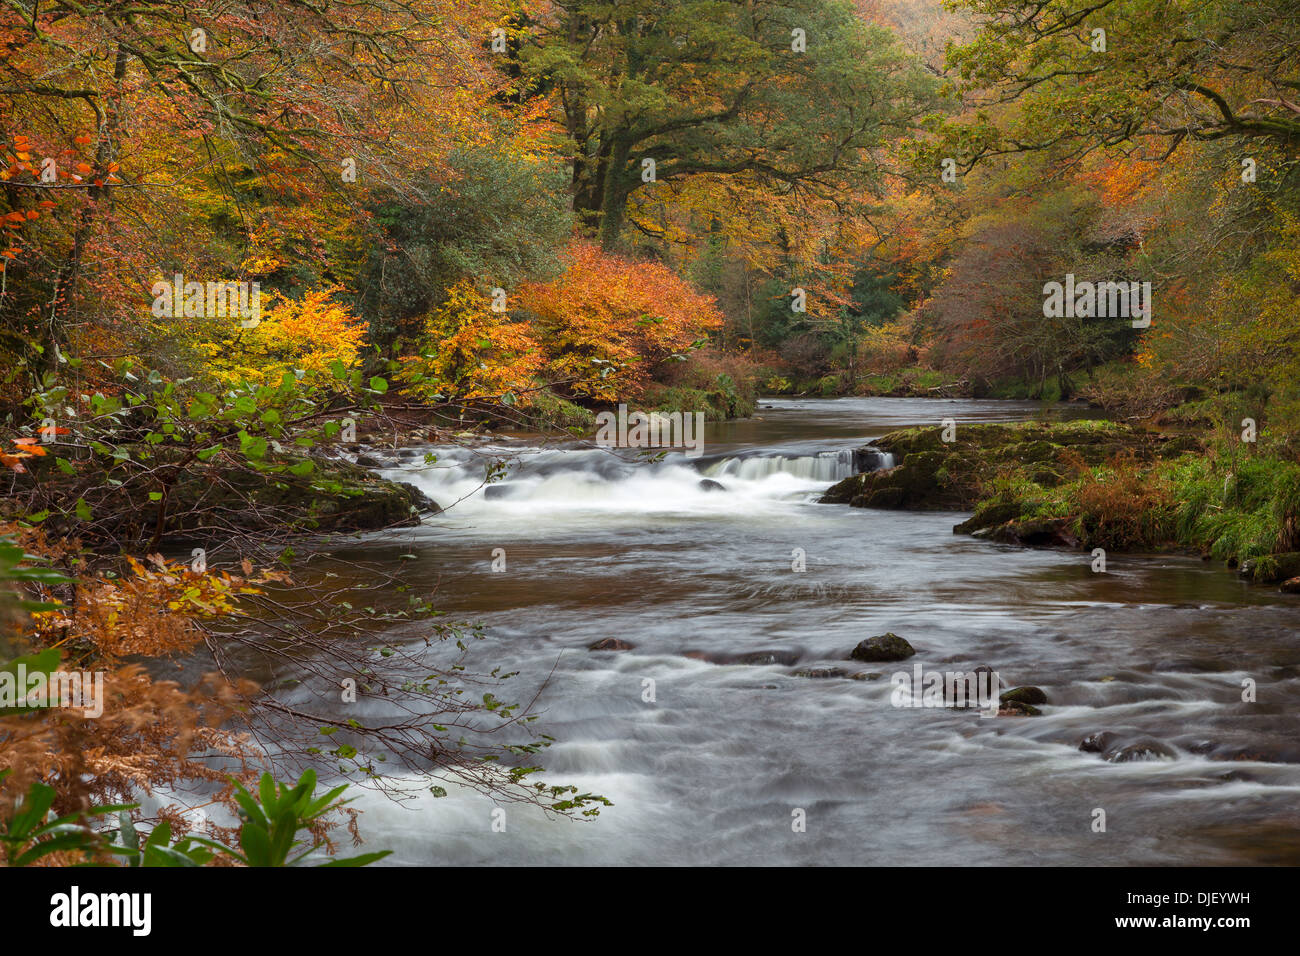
472, 352
307, 335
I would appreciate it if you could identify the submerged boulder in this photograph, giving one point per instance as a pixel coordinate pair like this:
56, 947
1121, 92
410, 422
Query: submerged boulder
1098, 743
1146, 748
610, 644
1015, 708
763, 657
708, 484
819, 672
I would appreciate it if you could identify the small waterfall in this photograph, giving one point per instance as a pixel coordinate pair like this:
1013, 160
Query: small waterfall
873, 459
828, 466
825, 466
580, 478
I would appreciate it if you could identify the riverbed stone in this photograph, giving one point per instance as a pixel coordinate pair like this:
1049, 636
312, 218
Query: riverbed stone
708, 484
819, 672
761, 658
883, 647
1024, 695
1147, 748
1016, 708
1099, 742
610, 644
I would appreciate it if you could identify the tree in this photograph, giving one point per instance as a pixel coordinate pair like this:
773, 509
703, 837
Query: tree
1138, 74
609, 321
700, 87
489, 215
472, 352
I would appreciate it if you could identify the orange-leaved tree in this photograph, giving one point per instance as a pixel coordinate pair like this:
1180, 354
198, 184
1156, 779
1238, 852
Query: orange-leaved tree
608, 321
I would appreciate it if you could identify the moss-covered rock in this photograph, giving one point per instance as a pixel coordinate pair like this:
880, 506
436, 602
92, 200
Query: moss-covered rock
1025, 695
1272, 568
884, 647
989, 514
335, 496
937, 475
1016, 708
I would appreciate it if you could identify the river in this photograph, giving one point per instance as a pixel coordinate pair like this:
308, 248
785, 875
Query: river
726, 760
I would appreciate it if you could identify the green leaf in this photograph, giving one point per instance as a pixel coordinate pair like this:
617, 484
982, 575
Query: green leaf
365, 859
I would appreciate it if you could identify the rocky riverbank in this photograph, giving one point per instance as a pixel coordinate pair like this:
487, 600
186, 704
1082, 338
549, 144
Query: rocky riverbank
1095, 484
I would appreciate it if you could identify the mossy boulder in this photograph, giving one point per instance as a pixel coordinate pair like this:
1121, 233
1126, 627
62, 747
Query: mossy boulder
1024, 695
937, 475
1016, 708
883, 647
989, 514
1272, 568
334, 496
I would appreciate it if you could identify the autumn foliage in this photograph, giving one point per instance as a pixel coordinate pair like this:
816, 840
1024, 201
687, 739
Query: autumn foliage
472, 352
306, 335
607, 312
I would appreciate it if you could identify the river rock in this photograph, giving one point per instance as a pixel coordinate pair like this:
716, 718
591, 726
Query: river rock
708, 484
884, 647
336, 496
761, 658
1098, 743
1290, 586
938, 475
1272, 568
989, 515
610, 644
1146, 748
1024, 695
970, 694
819, 672
1016, 708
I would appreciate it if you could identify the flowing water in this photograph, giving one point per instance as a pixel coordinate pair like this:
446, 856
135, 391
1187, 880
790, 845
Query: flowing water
717, 767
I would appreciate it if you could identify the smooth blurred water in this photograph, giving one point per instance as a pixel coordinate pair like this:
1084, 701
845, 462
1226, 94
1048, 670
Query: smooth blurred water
598, 545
